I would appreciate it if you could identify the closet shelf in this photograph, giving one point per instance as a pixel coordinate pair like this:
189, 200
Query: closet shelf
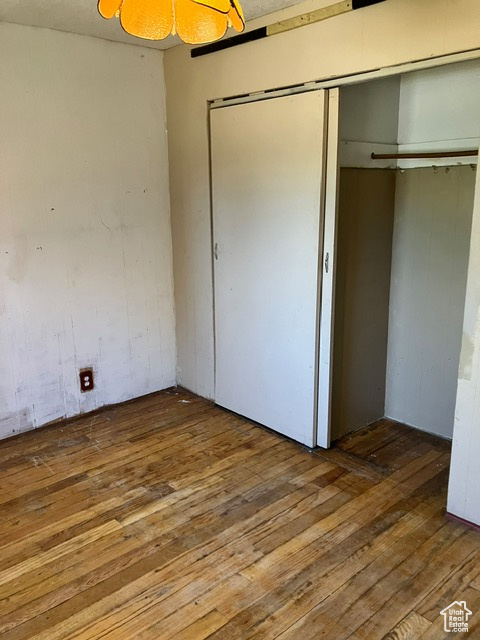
433, 154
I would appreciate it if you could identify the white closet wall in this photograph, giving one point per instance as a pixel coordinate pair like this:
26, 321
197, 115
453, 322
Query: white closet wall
369, 122
433, 216
439, 111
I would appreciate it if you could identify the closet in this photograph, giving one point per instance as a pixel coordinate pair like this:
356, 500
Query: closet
403, 237
340, 277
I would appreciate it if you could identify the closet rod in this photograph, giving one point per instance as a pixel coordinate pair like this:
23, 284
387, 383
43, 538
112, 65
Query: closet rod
436, 154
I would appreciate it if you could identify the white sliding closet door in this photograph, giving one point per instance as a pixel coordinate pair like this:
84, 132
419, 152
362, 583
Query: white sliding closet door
267, 174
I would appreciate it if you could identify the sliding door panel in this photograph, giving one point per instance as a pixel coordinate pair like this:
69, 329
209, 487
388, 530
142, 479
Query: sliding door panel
267, 167
329, 263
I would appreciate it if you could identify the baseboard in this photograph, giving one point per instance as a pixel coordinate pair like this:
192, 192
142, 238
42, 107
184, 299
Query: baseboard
64, 421
466, 523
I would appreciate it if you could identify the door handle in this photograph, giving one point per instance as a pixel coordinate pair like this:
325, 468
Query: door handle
327, 262
215, 251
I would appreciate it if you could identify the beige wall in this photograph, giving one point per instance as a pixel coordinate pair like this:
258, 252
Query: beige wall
85, 239
364, 258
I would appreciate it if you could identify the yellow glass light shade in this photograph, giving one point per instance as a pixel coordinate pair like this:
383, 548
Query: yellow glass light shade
195, 21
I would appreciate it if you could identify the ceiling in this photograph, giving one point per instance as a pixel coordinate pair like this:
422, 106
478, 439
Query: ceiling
81, 16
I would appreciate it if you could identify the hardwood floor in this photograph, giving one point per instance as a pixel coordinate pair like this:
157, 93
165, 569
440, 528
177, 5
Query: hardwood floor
170, 518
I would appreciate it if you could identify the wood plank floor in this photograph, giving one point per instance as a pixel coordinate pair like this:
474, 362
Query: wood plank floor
170, 518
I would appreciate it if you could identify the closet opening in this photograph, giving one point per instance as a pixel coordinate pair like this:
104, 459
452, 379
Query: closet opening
403, 242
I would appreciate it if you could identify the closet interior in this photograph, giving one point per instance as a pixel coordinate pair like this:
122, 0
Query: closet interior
403, 238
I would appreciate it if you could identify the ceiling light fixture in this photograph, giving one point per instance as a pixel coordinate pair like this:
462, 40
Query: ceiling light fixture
195, 21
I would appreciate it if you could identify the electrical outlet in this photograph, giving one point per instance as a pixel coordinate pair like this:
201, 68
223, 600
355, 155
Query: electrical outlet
86, 380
